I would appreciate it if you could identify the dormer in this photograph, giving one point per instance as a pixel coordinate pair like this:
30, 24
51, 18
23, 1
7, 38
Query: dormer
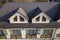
37, 16
41, 18
19, 17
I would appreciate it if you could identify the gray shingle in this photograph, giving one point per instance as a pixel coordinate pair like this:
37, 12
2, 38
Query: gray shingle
10, 7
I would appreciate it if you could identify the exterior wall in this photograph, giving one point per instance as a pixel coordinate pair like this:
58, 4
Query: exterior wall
8, 32
41, 14
57, 32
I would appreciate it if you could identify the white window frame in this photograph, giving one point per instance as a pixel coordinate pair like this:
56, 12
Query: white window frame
18, 19
41, 15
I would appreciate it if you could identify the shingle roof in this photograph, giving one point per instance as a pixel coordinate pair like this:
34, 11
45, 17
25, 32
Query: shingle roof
34, 12
10, 8
58, 15
30, 25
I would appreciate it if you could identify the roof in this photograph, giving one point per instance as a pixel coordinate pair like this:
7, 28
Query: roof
34, 13
58, 15
30, 25
8, 9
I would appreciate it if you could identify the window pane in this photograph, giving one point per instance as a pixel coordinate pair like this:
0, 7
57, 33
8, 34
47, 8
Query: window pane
32, 32
16, 32
21, 19
35, 31
1, 32
15, 18
43, 18
38, 18
48, 32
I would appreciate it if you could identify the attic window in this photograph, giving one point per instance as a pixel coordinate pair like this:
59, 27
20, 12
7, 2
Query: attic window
43, 18
15, 18
21, 18
38, 18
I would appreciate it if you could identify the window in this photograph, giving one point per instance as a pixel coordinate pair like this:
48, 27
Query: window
15, 18
43, 18
21, 19
38, 18
47, 31
16, 32
1, 32
31, 32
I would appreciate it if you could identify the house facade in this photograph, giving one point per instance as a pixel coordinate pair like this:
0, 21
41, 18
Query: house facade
30, 21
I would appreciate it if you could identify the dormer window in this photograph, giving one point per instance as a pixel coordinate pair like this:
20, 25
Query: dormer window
43, 18
15, 18
21, 18
38, 19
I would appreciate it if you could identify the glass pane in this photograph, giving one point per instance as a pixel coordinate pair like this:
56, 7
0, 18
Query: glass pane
1, 32
35, 31
43, 18
38, 18
15, 18
31, 32
16, 32
21, 18
48, 32
19, 31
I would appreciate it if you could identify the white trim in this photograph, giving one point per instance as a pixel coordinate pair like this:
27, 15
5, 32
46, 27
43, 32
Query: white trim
58, 20
18, 15
41, 14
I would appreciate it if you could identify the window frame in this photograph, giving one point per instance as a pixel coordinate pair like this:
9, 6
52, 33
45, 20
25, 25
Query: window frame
43, 19
15, 18
38, 19
21, 19
17, 32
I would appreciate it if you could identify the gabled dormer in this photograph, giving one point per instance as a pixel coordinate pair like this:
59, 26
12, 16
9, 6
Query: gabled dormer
37, 16
19, 17
41, 18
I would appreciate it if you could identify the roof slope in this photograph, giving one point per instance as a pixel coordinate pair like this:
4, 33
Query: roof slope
34, 12
10, 8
